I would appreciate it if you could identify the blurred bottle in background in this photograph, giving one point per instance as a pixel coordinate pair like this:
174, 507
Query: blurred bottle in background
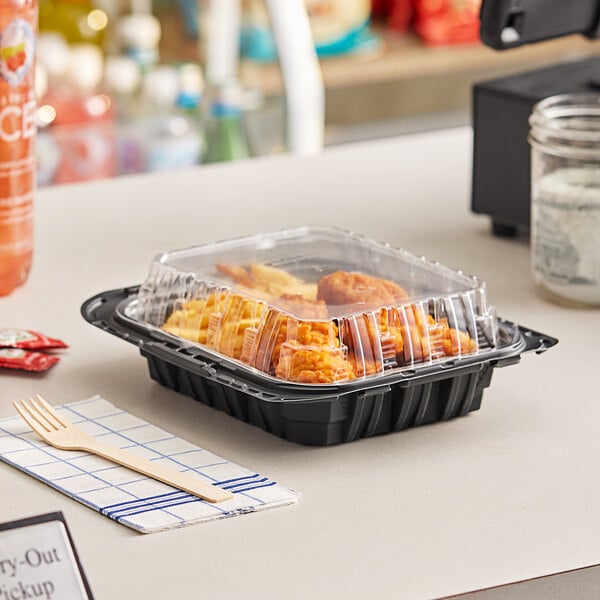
226, 137
79, 114
138, 36
123, 80
18, 23
171, 129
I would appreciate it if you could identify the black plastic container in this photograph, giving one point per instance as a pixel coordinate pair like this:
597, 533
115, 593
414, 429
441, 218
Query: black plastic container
317, 415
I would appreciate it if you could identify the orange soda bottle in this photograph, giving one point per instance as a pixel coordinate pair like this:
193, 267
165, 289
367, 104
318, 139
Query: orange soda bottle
18, 27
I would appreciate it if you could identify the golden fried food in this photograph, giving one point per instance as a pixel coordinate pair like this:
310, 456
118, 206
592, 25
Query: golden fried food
219, 321
279, 328
302, 307
400, 336
362, 335
226, 329
236, 273
425, 338
305, 364
267, 282
190, 319
364, 291
279, 282
293, 335
458, 342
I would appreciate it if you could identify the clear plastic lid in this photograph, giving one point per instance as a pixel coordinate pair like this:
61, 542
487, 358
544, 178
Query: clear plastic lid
317, 305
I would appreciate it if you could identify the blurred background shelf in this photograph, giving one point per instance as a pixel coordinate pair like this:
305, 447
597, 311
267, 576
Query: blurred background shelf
134, 92
401, 87
411, 87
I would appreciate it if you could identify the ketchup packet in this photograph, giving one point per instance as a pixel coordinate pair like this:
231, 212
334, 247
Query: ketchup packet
16, 358
25, 338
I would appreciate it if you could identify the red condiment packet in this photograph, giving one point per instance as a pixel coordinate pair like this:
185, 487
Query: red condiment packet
16, 358
25, 338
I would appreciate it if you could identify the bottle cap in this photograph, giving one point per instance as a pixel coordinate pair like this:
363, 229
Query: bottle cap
191, 86
227, 100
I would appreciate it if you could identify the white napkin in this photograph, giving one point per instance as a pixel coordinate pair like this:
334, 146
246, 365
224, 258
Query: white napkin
127, 497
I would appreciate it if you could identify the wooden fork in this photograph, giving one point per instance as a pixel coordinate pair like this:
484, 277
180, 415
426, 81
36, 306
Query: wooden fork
60, 433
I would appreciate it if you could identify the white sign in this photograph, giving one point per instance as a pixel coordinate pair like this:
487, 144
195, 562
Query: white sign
37, 560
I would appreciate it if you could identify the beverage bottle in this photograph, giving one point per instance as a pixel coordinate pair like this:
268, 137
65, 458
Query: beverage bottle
226, 137
18, 26
172, 134
84, 114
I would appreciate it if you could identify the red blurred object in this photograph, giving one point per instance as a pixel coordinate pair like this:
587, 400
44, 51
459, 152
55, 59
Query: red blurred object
379, 8
82, 130
397, 14
446, 22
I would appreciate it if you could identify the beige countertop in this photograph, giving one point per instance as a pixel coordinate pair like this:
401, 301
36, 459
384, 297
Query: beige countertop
507, 493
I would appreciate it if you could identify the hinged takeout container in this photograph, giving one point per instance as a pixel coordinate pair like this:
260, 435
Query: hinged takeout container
317, 335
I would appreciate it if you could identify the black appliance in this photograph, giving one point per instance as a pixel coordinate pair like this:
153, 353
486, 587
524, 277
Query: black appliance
501, 107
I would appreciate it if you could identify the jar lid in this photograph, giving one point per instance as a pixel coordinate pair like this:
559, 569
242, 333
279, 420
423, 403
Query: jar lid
567, 125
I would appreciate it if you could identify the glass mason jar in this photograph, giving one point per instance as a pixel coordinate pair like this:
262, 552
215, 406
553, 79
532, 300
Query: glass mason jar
565, 198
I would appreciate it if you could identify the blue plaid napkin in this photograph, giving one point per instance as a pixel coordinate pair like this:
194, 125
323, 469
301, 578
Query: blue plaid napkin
127, 497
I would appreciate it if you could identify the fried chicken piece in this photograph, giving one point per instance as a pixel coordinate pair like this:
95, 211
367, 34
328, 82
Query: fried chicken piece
310, 352
458, 342
363, 335
400, 336
279, 328
374, 341
425, 338
301, 307
304, 364
352, 288
411, 325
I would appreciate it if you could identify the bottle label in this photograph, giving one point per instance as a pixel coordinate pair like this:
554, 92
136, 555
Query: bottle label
17, 46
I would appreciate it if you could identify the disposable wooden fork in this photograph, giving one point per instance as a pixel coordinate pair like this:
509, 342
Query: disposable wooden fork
53, 428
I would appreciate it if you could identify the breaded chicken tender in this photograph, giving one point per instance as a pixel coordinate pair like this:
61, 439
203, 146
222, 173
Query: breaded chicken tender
400, 336
304, 364
425, 338
279, 328
365, 291
301, 307
372, 342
